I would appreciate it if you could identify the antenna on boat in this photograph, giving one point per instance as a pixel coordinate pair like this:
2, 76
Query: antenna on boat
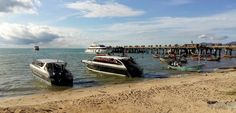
199, 57
35, 49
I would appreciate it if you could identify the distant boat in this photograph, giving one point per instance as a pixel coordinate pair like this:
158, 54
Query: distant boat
52, 71
114, 65
98, 49
36, 48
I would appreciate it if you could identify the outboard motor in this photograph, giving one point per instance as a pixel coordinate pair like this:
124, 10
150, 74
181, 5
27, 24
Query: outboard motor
133, 69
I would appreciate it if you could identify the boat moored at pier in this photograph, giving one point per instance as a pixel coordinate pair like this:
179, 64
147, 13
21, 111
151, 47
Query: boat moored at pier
98, 49
52, 71
114, 65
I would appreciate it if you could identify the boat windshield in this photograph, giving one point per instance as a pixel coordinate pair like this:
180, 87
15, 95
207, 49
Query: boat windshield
102, 46
37, 63
107, 60
128, 61
55, 67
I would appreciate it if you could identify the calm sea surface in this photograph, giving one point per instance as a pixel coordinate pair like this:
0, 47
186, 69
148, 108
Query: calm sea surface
16, 77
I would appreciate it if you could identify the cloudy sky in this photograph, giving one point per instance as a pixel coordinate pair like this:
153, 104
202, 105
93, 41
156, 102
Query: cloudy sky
78, 23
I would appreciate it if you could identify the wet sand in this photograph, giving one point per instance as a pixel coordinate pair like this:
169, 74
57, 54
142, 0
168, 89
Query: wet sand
213, 92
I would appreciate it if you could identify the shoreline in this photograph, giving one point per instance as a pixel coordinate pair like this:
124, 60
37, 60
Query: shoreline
190, 93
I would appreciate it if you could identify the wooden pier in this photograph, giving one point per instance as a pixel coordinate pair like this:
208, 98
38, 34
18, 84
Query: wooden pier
188, 49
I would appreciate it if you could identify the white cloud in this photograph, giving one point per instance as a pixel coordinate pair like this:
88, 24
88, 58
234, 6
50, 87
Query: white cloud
212, 37
92, 9
205, 36
171, 29
219, 27
30, 34
19, 6
178, 2
180, 25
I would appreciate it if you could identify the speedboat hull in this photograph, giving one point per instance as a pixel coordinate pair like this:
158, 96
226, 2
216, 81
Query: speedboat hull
111, 69
63, 80
105, 68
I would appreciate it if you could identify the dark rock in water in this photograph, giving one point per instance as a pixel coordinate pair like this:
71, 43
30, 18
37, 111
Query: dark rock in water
211, 102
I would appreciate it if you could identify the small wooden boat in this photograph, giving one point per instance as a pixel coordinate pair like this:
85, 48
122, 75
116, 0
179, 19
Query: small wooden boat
166, 60
155, 56
198, 58
213, 59
183, 60
169, 60
186, 68
195, 54
229, 56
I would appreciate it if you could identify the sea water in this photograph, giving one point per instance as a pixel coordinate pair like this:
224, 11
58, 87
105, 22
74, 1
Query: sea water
16, 77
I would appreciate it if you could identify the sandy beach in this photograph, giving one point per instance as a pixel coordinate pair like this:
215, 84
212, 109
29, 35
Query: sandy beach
213, 92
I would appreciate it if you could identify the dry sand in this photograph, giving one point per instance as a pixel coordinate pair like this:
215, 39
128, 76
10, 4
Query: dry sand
195, 93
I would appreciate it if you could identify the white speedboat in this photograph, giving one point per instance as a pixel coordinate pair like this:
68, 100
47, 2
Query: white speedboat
52, 71
98, 49
114, 65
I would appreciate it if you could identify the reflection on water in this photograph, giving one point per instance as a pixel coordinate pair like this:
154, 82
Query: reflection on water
16, 77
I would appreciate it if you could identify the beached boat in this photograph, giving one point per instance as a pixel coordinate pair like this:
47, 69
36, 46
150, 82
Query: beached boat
114, 65
98, 49
169, 60
186, 68
52, 71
